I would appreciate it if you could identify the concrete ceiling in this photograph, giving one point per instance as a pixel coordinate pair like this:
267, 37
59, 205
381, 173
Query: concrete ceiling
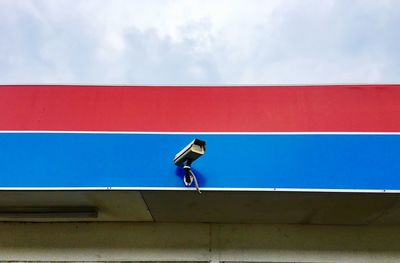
211, 206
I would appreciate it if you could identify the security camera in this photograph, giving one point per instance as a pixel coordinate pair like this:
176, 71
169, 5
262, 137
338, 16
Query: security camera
190, 153
186, 157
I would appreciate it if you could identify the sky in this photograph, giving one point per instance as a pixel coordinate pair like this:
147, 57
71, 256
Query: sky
186, 42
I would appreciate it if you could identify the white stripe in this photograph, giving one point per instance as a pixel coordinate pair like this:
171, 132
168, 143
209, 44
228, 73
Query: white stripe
155, 85
211, 189
204, 133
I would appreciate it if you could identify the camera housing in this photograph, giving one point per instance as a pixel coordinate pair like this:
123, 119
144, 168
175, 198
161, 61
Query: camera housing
190, 153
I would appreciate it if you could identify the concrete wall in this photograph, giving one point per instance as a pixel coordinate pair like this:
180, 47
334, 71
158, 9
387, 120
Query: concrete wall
198, 242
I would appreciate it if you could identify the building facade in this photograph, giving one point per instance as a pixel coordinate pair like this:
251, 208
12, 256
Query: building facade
289, 174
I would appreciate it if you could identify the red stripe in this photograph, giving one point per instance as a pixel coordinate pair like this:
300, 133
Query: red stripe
369, 108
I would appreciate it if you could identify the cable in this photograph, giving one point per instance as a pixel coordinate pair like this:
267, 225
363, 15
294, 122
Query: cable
190, 177
195, 182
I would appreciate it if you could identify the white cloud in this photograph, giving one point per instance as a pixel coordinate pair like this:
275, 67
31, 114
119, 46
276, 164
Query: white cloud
199, 42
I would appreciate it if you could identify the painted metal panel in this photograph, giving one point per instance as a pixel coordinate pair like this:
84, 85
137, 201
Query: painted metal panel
236, 123
312, 161
357, 108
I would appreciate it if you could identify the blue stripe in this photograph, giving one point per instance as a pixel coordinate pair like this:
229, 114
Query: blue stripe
231, 161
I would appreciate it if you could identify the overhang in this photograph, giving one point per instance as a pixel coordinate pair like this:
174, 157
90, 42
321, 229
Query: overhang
209, 207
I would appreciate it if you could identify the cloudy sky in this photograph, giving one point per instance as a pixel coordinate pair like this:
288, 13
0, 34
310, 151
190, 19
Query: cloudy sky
200, 42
